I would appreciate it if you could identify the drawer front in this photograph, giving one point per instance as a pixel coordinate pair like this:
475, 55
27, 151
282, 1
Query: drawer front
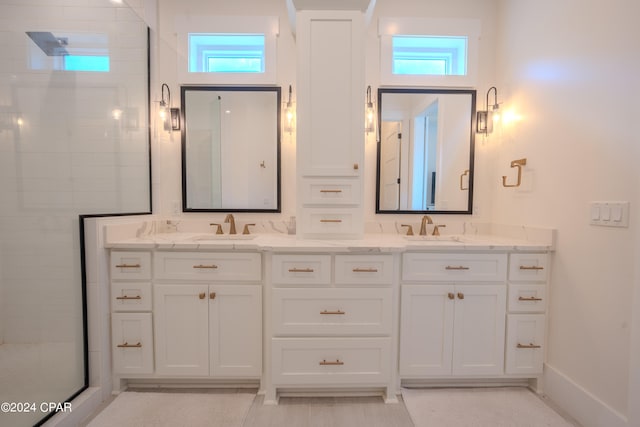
526, 298
330, 361
528, 267
131, 296
364, 269
331, 221
525, 343
328, 191
130, 265
423, 266
335, 311
208, 266
301, 269
132, 343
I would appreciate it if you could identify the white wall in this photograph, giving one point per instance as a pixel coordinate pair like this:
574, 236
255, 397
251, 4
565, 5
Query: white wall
570, 69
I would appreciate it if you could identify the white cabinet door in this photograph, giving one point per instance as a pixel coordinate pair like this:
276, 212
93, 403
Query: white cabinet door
181, 329
132, 340
479, 329
426, 329
331, 93
235, 330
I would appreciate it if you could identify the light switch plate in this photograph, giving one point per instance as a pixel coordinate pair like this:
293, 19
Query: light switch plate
609, 214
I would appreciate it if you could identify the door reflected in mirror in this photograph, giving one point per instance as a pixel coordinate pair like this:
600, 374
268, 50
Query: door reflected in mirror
425, 151
231, 148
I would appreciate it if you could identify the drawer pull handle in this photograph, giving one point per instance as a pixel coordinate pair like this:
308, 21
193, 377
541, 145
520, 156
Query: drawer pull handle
530, 345
127, 265
531, 267
460, 295
338, 362
451, 295
529, 299
456, 267
212, 295
212, 266
330, 220
127, 345
365, 270
332, 312
202, 295
128, 298
301, 270
331, 191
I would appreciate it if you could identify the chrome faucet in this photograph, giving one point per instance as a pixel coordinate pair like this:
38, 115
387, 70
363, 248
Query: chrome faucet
423, 225
229, 219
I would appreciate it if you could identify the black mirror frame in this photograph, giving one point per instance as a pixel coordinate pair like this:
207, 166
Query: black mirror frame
277, 90
472, 128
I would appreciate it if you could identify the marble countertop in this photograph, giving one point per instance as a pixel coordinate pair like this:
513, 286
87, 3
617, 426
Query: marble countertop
370, 243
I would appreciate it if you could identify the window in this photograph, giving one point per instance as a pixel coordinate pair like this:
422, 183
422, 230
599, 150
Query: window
226, 53
429, 55
227, 49
86, 63
429, 52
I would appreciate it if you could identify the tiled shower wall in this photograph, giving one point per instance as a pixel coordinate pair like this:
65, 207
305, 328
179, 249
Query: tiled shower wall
71, 143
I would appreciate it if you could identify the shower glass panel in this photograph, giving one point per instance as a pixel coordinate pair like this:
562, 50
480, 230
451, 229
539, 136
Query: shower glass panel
74, 140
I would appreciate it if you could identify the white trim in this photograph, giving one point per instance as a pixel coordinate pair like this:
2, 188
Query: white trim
579, 403
388, 27
267, 25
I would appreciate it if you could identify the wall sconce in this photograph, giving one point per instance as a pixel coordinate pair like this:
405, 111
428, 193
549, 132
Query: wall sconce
170, 116
289, 114
370, 114
484, 119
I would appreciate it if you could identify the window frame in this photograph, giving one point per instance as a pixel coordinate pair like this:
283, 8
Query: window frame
231, 25
425, 27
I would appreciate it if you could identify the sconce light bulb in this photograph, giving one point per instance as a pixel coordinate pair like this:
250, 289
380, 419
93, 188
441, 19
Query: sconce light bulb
163, 113
19, 121
116, 113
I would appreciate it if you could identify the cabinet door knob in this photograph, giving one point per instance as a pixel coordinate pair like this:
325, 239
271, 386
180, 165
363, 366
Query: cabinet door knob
212, 295
356, 166
460, 295
451, 295
202, 295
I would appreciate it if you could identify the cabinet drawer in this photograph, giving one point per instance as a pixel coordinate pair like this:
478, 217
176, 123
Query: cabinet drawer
528, 267
527, 298
364, 269
525, 343
334, 311
132, 343
208, 266
330, 361
125, 265
131, 296
421, 266
331, 221
301, 269
331, 191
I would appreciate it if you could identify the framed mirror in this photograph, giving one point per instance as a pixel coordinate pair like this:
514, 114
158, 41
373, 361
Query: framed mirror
425, 151
231, 148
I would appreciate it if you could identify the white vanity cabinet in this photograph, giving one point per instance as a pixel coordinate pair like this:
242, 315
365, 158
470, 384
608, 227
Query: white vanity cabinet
131, 319
332, 322
527, 306
453, 310
183, 314
330, 125
208, 330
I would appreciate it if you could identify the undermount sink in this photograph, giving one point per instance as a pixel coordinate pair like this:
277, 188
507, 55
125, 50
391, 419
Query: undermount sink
435, 239
219, 237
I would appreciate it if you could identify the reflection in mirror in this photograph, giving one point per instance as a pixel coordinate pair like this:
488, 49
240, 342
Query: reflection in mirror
425, 151
231, 149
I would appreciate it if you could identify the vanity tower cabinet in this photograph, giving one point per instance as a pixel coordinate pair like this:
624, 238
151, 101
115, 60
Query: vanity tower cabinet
330, 123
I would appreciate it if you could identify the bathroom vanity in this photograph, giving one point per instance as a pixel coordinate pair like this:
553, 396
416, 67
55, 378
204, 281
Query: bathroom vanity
327, 316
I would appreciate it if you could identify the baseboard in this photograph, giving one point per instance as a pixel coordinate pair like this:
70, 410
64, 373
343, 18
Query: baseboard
82, 407
578, 403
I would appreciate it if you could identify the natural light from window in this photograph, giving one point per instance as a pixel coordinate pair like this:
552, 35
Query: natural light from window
226, 53
429, 55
